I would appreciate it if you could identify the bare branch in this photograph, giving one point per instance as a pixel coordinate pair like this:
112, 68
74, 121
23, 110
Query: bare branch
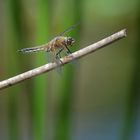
50, 66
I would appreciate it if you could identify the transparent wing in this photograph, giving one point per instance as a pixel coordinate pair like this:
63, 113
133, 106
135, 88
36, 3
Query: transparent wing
74, 62
51, 57
69, 29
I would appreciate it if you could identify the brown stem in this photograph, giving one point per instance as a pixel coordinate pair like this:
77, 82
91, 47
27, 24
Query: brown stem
50, 66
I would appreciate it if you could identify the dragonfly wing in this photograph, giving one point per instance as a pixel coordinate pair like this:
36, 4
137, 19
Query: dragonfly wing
69, 29
51, 57
74, 62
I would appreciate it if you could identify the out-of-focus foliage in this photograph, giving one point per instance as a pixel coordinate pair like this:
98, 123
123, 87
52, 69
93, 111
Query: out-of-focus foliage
94, 98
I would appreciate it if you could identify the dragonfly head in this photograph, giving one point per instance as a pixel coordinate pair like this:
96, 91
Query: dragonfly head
70, 41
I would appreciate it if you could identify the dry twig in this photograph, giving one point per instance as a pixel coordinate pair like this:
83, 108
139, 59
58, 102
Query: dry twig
50, 66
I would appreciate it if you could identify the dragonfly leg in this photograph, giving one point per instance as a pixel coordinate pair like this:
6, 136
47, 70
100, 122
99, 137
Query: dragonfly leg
58, 56
58, 59
58, 53
68, 50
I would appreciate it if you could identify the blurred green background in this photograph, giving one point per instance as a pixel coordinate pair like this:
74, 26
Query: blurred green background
98, 98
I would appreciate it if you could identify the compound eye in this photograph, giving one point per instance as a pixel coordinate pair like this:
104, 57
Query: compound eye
70, 41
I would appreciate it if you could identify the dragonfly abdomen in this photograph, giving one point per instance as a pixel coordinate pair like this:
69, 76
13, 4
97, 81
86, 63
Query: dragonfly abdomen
30, 50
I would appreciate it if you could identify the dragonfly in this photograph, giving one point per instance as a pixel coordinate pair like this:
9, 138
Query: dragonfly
56, 45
